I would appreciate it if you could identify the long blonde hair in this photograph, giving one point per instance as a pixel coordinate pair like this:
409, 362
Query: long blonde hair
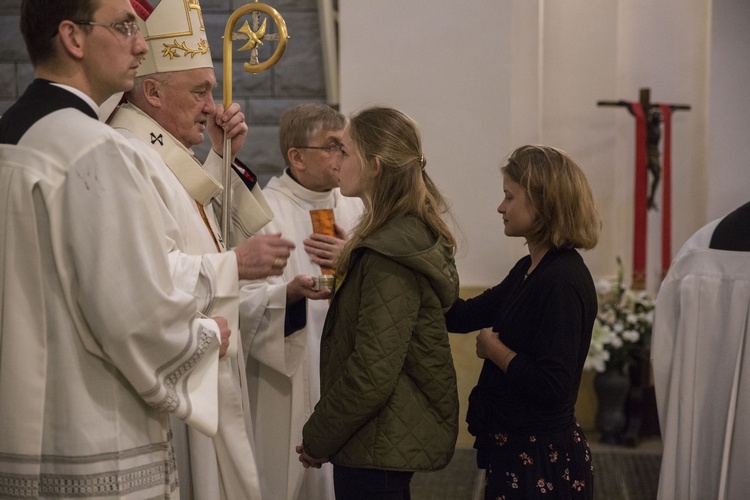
401, 186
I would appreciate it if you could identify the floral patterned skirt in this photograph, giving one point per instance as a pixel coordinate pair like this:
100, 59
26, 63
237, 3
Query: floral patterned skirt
542, 466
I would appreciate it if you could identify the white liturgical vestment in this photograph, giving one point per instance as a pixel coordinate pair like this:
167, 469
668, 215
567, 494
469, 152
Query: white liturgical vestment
97, 346
222, 466
283, 373
701, 362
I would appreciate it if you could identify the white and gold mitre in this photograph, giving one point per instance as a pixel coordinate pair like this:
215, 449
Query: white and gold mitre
175, 36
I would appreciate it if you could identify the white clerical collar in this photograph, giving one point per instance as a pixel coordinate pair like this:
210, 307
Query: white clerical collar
80, 94
302, 192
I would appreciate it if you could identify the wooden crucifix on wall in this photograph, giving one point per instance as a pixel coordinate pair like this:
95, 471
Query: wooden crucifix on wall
649, 118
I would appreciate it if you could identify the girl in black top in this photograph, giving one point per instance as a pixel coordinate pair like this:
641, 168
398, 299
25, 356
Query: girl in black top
535, 334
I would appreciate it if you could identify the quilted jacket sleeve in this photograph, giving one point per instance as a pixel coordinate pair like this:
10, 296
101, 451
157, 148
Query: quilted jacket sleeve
382, 328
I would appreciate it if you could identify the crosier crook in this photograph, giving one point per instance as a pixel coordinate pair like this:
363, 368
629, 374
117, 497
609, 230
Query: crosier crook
255, 37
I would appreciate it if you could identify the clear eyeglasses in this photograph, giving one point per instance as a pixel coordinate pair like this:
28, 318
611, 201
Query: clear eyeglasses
127, 28
332, 148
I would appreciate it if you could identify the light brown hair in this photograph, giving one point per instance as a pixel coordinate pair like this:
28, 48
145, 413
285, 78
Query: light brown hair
400, 186
559, 194
298, 125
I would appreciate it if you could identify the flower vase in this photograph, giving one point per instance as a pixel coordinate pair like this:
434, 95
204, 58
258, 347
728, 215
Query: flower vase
612, 387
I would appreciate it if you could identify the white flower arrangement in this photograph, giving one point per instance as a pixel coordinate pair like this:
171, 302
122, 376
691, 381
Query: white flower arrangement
622, 329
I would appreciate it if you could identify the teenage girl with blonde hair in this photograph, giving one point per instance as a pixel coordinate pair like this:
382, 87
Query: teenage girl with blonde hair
535, 333
388, 403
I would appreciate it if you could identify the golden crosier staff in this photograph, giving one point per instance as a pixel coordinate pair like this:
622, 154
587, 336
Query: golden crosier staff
254, 37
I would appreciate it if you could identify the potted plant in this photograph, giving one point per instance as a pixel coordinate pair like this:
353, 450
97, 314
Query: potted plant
620, 340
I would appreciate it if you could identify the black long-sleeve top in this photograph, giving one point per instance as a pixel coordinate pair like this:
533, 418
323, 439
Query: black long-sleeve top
546, 318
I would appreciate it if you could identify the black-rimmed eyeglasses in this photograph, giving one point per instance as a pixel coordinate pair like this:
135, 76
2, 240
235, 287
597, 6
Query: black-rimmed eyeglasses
332, 148
127, 28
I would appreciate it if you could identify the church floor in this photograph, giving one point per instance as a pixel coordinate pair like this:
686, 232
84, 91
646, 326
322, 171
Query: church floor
620, 473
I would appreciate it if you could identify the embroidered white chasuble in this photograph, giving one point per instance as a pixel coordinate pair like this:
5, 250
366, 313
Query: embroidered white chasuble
284, 373
222, 466
96, 343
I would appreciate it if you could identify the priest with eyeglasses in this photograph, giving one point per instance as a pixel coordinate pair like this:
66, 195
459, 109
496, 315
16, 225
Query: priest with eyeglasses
98, 346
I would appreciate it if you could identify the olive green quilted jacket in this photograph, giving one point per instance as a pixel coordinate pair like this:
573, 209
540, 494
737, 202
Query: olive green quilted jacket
388, 385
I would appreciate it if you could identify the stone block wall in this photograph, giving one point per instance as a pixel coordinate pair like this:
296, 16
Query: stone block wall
297, 78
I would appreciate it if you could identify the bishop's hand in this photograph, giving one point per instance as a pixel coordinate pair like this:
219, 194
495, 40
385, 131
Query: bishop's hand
233, 122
